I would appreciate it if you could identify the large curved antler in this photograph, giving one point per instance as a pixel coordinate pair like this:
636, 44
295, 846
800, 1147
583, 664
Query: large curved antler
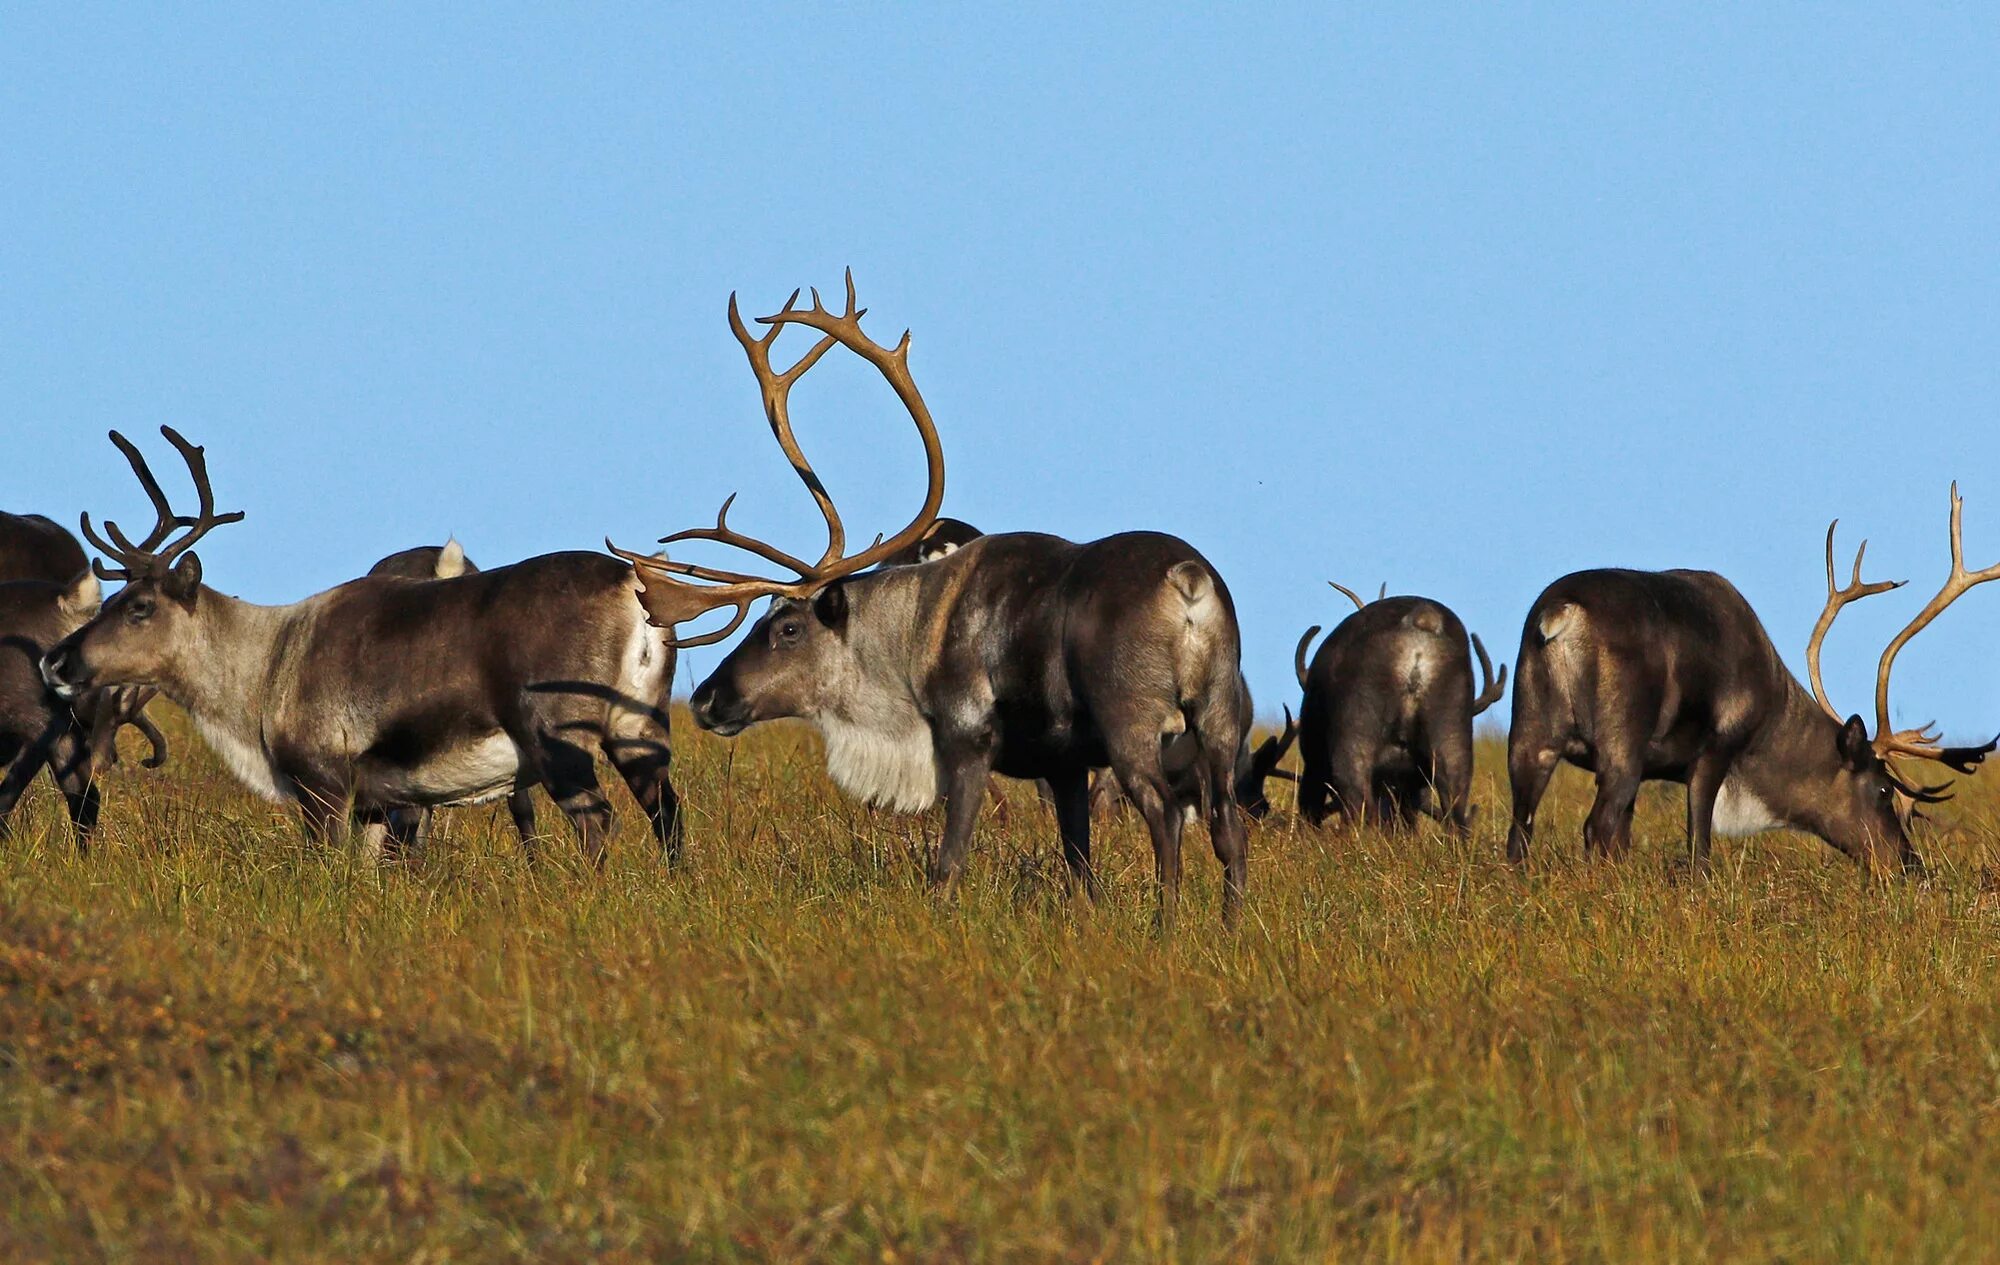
1837, 599
1923, 742
666, 593
150, 556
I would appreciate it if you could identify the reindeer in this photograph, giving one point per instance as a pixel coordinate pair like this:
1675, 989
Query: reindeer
383, 693
38, 729
1386, 720
48, 581
36, 548
1021, 653
1669, 675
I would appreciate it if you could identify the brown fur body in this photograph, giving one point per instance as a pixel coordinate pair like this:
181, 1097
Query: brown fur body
34, 548
1021, 654
384, 692
1385, 722
1669, 675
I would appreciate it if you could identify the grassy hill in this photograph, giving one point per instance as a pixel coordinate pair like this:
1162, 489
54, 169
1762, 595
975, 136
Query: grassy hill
218, 1042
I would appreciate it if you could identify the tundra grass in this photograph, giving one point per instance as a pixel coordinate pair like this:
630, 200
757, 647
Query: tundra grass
220, 1043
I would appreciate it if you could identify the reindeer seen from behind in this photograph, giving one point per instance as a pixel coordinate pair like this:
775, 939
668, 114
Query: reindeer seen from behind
1385, 722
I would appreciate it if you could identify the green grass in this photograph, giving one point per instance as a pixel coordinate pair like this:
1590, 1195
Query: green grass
218, 1042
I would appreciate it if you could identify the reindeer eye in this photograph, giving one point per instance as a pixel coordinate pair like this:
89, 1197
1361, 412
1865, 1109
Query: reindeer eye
789, 630
139, 611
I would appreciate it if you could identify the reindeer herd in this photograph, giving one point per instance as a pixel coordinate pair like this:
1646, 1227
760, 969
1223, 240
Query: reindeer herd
928, 662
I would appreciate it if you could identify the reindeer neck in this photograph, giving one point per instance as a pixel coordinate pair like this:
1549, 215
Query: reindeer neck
1791, 765
223, 678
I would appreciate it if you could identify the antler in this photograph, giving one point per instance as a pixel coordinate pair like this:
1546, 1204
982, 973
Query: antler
1923, 742
665, 592
1494, 687
1837, 598
1264, 761
1350, 594
148, 557
1299, 654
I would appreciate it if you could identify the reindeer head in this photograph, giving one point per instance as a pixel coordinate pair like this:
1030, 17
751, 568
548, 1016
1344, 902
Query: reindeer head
798, 652
140, 635
1868, 809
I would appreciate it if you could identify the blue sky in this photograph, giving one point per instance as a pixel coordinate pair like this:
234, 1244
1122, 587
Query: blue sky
1460, 299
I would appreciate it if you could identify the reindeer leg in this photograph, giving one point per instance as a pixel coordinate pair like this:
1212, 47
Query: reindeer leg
966, 769
1530, 765
71, 765
1608, 829
1071, 794
1704, 784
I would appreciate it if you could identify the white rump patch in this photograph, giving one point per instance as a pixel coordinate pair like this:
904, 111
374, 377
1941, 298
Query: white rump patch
1555, 623
894, 769
1738, 812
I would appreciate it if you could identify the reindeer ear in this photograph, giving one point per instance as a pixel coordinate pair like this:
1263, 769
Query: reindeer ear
830, 606
1856, 752
184, 581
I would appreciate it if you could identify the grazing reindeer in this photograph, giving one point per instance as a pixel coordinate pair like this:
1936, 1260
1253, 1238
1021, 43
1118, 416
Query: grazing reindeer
383, 693
34, 548
1021, 653
1669, 675
38, 729
1386, 721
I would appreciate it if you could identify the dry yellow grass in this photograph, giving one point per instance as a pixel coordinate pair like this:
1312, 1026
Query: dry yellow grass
219, 1043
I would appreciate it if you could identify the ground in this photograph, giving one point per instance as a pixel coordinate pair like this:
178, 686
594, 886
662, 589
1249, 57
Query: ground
219, 1042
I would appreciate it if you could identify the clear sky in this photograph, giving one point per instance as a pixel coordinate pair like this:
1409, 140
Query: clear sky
1458, 299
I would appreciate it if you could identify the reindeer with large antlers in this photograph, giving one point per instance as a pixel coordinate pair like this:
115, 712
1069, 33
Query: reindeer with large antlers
1385, 725
1639, 675
1016, 653
382, 693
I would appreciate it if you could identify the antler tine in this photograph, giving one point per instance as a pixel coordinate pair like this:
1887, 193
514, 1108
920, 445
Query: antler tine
1494, 687
777, 389
1922, 742
1349, 594
1838, 597
205, 519
723, 534
1299, 654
